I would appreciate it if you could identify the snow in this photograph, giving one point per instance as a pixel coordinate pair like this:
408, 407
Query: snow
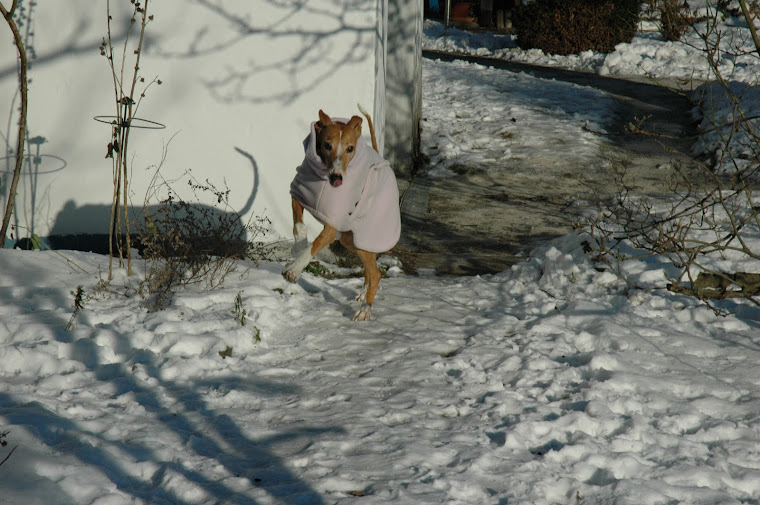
552, 382
681, 64
500, 116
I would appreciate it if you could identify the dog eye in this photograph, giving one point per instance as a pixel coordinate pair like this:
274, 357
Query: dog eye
350, 149
328, 147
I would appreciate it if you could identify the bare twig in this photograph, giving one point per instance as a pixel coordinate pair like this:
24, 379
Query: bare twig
8, 456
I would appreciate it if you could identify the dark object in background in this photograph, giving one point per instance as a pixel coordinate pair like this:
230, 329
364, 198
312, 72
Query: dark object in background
573, 26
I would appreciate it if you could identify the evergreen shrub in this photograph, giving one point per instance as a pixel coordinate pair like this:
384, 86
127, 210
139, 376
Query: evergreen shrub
571, 26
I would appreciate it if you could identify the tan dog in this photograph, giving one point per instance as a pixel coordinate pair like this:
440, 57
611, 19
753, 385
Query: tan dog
330, 150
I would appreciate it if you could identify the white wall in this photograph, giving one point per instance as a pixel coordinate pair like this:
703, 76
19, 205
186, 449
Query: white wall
403, 91
242, 81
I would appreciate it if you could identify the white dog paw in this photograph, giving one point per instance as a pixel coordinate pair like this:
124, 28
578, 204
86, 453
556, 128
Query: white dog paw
363, 314
293, 269
291, 274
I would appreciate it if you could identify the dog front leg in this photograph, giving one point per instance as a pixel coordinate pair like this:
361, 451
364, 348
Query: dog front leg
371, 282
293, 270
299, 229
300, 241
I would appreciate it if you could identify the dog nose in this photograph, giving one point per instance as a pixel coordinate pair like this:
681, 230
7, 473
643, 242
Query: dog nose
336, 180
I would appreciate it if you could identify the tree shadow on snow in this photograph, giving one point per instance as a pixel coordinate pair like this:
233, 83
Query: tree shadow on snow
182, 411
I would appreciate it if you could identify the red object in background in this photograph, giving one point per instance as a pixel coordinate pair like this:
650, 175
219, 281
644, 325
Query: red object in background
460, 12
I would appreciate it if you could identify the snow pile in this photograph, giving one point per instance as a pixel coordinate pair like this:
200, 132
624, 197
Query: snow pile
549, 383
728, 133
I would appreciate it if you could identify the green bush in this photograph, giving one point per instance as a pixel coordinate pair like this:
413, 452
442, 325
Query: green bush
572, 26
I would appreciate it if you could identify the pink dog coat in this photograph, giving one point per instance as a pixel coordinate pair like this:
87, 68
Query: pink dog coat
366, 203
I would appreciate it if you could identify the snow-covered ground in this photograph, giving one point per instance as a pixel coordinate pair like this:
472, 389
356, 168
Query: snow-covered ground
647, 54
475, 116
682, 64
552, 382
543, 384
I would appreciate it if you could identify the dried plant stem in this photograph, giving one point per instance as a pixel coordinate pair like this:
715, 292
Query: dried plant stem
126, 108
8, 456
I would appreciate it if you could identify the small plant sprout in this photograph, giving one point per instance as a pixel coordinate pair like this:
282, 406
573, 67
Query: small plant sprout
256, 335
4, 443
78, 306
239, 311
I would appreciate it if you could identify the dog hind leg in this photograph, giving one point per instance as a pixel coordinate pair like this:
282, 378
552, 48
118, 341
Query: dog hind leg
347, 239
371, 282
371, 278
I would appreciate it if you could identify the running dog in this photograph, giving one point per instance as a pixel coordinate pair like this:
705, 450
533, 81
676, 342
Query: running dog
352, 191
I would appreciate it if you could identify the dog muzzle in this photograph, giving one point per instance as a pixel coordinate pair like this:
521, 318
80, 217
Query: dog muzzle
336, 180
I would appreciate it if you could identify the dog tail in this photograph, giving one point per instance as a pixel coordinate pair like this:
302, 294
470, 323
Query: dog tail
371, 126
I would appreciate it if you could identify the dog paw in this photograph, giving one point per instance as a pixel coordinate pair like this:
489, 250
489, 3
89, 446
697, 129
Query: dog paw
291, 274
363, 314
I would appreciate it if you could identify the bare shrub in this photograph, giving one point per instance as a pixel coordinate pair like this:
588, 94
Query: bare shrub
185, 242
708, 219
712, 219
127, 100
675, 19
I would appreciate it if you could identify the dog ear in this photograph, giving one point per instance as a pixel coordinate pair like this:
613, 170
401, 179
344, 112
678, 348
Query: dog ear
324, 119
355, 123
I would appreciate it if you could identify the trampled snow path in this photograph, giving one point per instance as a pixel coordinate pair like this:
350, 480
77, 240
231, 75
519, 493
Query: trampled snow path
549, 383
489, 119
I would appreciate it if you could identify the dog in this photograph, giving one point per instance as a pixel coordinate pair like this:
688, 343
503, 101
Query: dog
352, 191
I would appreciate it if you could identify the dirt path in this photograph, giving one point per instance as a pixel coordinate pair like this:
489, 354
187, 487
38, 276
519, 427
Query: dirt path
484, 222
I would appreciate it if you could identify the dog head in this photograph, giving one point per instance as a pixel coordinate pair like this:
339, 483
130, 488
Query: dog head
336, 145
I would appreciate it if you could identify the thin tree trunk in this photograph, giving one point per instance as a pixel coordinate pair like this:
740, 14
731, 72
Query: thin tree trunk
8, 15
